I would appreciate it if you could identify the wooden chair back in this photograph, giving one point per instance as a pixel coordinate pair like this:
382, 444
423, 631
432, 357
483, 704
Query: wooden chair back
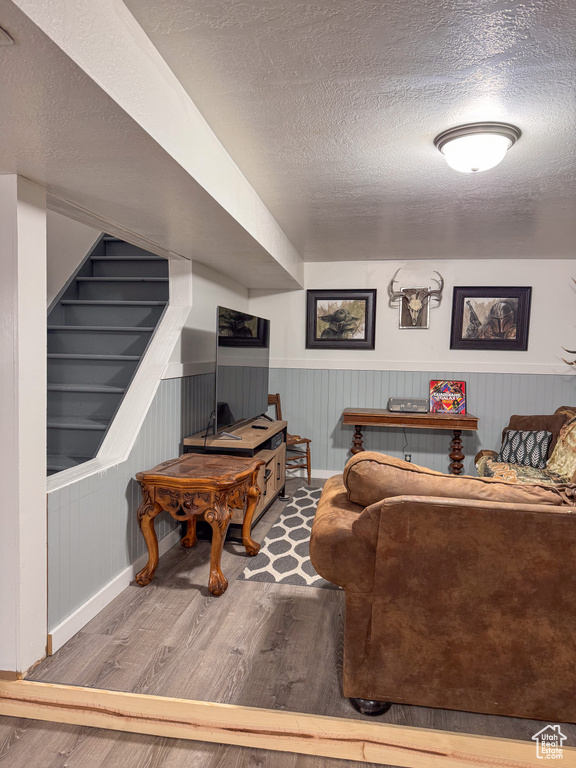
275, 401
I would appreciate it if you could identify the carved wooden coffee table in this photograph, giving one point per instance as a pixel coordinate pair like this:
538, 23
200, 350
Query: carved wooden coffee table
193, 486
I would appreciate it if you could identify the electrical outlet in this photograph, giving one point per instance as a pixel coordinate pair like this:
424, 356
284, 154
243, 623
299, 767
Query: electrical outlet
407, 457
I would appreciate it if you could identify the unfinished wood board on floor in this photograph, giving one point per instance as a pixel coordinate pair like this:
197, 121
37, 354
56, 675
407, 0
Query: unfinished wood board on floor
362, 741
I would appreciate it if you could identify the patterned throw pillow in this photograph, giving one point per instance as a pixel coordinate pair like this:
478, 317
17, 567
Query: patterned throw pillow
529, 449
563, 459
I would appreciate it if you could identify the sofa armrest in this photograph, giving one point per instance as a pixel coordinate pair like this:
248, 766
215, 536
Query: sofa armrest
337, 554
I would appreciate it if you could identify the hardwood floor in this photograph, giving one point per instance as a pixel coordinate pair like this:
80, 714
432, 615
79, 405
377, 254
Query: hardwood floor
262, 645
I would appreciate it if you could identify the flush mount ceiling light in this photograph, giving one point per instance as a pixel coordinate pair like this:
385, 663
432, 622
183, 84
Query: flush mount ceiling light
476, 146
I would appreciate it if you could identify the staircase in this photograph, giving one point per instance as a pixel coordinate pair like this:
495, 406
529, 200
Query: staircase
98, 331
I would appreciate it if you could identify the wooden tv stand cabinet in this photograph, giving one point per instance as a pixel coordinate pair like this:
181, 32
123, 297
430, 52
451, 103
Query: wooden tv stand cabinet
254, 442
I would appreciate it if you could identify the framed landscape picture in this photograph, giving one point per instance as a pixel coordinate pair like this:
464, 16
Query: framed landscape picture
490, 318
341, 319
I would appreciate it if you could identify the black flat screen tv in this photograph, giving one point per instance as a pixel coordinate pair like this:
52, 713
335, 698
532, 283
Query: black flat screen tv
242, 366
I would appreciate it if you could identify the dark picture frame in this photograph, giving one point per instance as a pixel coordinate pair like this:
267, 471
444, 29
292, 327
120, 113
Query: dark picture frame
490, 318
239, 329
341, 319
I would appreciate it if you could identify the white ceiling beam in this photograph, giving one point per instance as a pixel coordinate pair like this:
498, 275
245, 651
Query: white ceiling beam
104, 40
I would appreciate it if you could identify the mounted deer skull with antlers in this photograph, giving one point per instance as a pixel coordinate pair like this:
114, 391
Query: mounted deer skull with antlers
415, 300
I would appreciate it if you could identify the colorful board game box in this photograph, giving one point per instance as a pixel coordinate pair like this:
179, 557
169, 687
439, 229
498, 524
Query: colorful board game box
447, 396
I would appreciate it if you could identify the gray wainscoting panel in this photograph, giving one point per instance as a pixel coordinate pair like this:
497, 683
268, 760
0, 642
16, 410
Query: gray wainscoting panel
313, 401
93, 534
92, 530
243, 388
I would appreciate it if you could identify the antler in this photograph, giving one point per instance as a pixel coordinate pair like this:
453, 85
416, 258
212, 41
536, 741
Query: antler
437, 292
570, 351
394, 295
434, 294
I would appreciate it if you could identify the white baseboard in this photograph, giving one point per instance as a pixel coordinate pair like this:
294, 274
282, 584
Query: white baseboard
81, 616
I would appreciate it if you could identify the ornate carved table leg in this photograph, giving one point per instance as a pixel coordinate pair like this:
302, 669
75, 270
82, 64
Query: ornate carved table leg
308, 464
456, 454
147, 511
219, 519
190, 538
252, 547
357, 441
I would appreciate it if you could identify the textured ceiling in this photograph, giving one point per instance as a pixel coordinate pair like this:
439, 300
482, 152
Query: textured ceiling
60, 129
330, 110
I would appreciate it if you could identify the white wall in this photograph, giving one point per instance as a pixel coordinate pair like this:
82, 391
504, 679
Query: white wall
552, 321
196, 350
23, 420
67, 244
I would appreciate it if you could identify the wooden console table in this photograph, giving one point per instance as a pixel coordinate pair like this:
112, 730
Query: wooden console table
196, 485
378, 417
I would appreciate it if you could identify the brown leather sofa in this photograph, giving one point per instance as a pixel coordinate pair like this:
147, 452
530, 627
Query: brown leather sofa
452, 601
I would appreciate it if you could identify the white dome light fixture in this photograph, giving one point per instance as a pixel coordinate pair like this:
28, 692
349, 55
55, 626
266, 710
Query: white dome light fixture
476, 146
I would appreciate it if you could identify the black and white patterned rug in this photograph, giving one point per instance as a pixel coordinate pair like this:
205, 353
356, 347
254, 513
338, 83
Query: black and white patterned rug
285, 554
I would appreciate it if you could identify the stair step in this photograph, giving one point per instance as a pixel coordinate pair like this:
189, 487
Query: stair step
120, 248
65, 440
71, 340
128, 265
138, 257
122, 279
58, 463
104, 303
64, 356
101, 370
122, 288
102, 389
103, 328
71, 422
83, 400
92, 312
